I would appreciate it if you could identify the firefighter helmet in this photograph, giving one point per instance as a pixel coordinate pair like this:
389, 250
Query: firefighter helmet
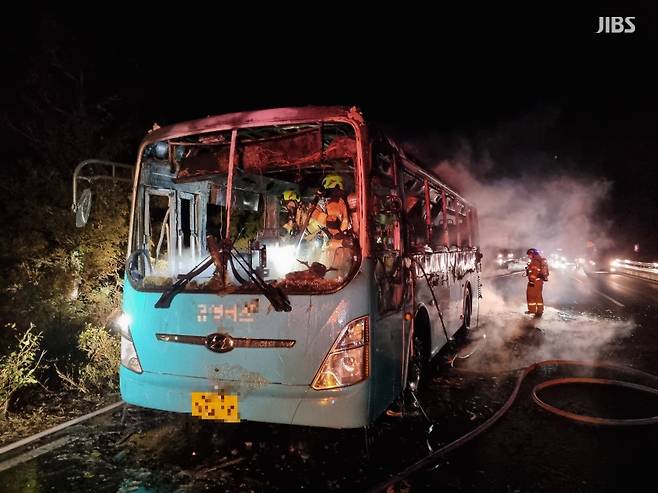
332, 181
532, 251
290, 195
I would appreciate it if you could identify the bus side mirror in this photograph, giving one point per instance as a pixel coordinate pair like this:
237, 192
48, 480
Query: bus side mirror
115, 172
83, 208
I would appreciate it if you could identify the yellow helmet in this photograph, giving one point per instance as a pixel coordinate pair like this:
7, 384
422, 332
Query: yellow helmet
290, 195
332, 181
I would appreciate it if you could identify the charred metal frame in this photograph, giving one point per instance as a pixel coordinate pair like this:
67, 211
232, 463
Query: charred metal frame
279, 117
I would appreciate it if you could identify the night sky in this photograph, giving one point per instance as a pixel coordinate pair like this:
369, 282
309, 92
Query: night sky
521, 87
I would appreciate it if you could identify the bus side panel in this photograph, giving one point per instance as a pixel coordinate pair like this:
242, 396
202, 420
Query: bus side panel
387, 343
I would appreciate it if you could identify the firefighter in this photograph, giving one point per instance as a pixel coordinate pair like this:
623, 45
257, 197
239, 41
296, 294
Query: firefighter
335, 206
292, 212
537, 273
333, 216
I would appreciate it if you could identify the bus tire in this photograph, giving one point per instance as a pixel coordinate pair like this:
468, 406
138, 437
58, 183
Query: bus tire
468, 311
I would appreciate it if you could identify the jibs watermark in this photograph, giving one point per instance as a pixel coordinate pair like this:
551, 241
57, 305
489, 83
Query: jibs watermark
616, 25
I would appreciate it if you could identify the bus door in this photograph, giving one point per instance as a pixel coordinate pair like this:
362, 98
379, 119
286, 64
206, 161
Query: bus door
392, 296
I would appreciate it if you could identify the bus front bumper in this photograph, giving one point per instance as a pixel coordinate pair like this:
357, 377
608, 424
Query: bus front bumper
348, 407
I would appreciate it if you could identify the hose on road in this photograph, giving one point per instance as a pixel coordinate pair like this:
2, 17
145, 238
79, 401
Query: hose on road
523, 373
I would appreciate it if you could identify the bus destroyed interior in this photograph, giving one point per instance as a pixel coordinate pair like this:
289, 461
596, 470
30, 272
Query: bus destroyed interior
290, 227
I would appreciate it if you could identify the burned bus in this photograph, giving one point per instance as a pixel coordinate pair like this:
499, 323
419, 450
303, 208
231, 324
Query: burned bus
289, 266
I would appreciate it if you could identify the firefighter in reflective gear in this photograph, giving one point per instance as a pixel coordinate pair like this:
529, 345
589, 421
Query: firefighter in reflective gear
311, 217
292, 211
333, 217
335, 206
537, 273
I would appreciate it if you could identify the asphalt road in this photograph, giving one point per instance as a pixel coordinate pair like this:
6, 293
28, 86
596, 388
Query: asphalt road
605, 318
608, 318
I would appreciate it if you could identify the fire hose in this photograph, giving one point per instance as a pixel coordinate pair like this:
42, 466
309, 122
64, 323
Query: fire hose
428, 460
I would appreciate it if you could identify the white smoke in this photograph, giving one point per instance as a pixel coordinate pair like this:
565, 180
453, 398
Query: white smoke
549, 209
547, 212
514, 340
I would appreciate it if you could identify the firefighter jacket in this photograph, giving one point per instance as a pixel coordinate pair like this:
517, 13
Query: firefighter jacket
537, 269
337, 218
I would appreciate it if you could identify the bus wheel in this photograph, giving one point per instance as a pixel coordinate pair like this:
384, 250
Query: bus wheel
468, 310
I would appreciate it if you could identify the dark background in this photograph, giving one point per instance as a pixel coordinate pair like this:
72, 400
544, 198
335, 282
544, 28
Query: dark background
525, 88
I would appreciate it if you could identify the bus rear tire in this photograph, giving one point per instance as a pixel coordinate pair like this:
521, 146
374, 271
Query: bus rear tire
468, 311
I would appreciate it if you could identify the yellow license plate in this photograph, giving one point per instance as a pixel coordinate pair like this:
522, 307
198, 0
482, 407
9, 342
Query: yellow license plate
209, 405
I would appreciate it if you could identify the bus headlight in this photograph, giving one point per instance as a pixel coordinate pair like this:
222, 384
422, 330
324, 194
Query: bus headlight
129, 357
122, 325
347, 362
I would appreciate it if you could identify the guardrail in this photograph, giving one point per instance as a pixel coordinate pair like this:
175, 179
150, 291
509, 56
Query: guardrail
644, 270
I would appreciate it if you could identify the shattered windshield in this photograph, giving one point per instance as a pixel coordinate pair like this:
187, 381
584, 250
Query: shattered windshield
293, 215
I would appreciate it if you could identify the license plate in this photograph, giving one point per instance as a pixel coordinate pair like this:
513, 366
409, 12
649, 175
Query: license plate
209, 405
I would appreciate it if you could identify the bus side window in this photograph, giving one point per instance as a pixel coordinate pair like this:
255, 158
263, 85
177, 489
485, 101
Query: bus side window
452, 231
436, 219
451, 219
158, 228
385, 209
416, 212
463, 232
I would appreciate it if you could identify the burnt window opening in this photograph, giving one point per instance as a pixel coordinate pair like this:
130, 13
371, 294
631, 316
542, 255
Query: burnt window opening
258, 149
313, 163
416, 211
158, 231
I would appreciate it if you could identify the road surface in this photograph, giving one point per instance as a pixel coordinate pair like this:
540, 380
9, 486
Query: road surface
605, 317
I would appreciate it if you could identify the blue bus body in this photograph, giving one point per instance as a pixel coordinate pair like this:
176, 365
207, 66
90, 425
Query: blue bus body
165, 352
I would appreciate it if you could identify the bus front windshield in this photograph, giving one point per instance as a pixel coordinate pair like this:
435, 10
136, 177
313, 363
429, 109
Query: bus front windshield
292, 222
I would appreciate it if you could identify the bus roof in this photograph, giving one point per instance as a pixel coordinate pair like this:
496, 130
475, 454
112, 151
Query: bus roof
283, 116
276, 116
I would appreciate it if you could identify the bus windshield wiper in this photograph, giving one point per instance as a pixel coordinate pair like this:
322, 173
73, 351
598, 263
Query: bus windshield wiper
183, 280
275, 295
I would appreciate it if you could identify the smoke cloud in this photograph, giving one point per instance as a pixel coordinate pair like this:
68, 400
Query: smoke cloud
532, 200
547, 212
513, 340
